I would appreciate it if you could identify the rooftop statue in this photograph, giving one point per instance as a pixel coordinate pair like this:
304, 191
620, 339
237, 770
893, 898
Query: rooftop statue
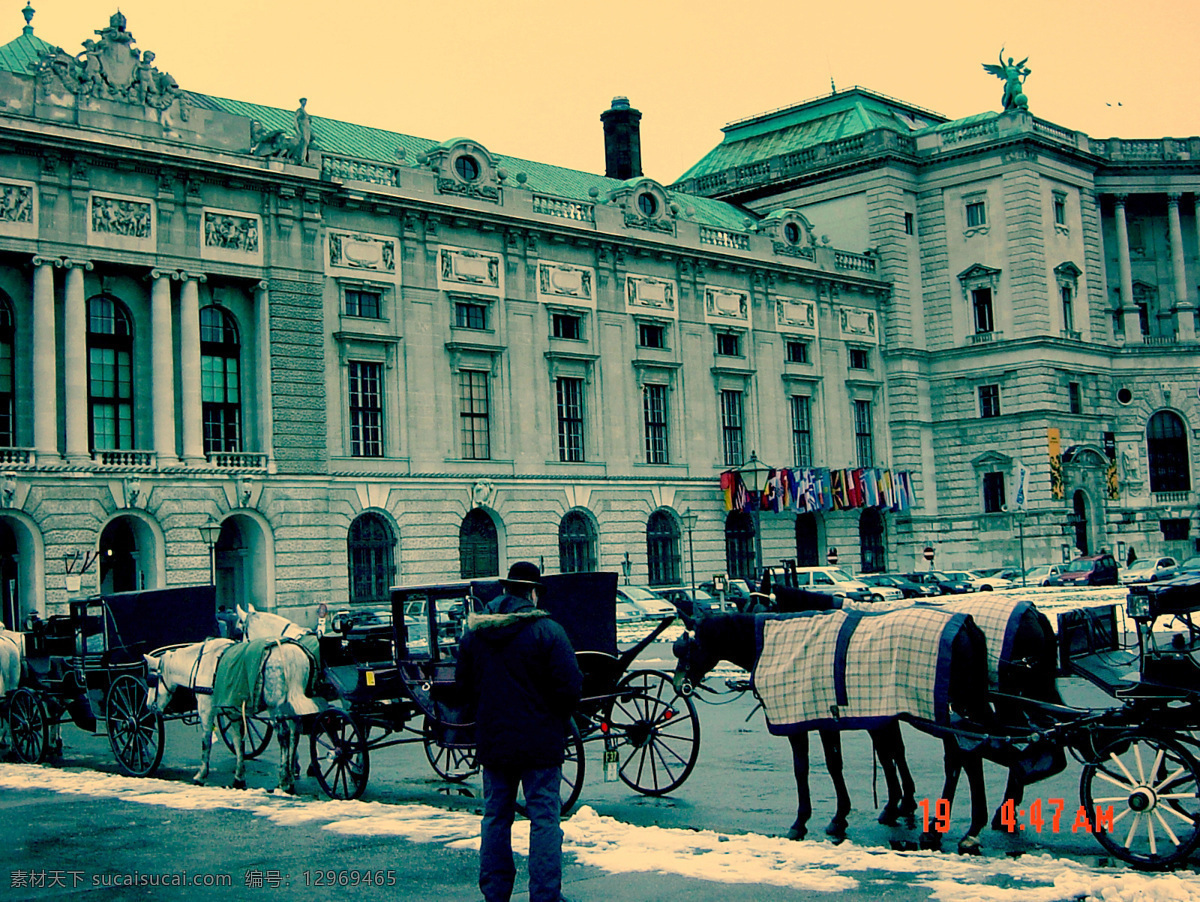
281, 145
1013, 75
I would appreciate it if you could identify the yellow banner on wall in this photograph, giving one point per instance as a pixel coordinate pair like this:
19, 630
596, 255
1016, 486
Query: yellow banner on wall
1054, 449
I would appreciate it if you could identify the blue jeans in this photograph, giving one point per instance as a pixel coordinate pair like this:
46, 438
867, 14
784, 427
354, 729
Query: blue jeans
496, 869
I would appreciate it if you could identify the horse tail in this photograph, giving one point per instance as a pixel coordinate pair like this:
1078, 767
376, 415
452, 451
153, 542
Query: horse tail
285, 679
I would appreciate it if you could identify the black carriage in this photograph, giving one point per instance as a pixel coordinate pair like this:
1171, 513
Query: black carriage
395, 684
86, 666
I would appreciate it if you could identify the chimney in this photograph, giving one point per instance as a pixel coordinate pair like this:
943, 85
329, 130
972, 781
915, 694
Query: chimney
622, 140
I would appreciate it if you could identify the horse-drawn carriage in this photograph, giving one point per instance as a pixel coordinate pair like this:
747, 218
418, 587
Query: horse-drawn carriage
87, 666
651, 736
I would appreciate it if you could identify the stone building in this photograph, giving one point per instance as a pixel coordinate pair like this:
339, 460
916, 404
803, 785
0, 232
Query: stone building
315, 359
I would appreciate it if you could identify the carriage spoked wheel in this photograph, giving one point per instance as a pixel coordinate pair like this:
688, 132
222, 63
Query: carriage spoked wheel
450, 763
29, 726
258, 733
1152, 786
655, 730
574, 765
340, 760
135, 730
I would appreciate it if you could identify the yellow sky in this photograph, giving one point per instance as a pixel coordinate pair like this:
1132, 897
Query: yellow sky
529, 78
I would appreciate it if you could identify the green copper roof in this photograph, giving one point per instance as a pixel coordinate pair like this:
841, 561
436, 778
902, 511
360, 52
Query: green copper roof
16, 55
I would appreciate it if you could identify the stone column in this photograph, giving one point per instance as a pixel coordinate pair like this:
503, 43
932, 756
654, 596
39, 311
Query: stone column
45, 375
162, 355
189, 368
75, 363
1185, 320
1133, 325
266, 417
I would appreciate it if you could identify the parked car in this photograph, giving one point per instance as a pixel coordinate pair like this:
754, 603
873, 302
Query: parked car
831, 580
687, 599
737, 592
1190, 565
979, 582
1012, 574
944, 583
882, 585
1143, 570
907, 587
630, 612
1089, 570
1039, 574
652, 605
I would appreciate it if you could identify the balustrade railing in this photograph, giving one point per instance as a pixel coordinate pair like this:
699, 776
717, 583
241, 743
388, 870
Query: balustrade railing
857, 262
564, 209
982, 338
1172, 497
17, 457
722, 238
1159, 340
337, 167
238, 460
127, 459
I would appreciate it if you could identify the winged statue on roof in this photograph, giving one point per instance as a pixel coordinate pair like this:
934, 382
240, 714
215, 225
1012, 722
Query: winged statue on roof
1013, 74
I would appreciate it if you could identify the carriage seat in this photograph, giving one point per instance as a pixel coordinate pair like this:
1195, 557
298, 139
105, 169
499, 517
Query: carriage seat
1089, 647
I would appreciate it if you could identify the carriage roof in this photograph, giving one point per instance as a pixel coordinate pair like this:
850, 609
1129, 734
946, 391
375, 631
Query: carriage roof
1180, 595
138, 622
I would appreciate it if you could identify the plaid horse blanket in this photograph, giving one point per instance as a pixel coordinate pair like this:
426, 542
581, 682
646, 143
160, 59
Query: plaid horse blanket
999, 617
854, 670
239, 677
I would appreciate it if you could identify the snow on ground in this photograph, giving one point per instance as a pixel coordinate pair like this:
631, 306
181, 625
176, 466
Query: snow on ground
606, 843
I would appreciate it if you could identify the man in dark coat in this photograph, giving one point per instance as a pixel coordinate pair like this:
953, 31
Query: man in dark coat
518, 666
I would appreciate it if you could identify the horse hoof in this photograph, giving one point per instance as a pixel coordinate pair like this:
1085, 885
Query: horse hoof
969, 845
796, 834
890, 816
198, 781
837, 827
238, 784
930, 842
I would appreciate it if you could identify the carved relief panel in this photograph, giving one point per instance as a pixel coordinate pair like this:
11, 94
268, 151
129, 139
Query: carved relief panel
231, 235
122, 222
726, 306
857, 324
646, 294
795, 316
479, 271
361, 253
564, 283
18, 209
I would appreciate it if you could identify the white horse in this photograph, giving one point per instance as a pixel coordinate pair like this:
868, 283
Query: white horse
12, 653
265, 625
284, 677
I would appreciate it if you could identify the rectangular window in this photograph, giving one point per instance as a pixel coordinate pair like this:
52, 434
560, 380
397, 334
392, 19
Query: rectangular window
110, 398
731, 428
989, 401
564, 325
976, 214
220, 403
367, 304
470, 316
570, 419
864, 444
1074, 397
651, 336
654, 407
910, 227
366, 409
981, 304
1175, 530
993, 493
860, 359
1060, 209
729, 344
1068, 312
7, 405
802, 430
797, 352
474, 414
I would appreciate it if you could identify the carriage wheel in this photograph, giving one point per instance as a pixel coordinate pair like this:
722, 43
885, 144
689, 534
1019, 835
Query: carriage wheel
258, 733
574, 765
135, 730
340, 759
656, 730
453, 764
1152, 785
29, 726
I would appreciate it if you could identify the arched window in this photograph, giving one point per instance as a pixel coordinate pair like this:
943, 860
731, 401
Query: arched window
220, 381
372, 556
870, 541
739, 546
662, 549
808, 542
576, 544
1167, 450
110, 374
8, 426
478, 546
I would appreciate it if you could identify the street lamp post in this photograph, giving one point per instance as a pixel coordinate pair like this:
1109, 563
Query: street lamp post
1019, 516
754, 474
210, 532
689, 523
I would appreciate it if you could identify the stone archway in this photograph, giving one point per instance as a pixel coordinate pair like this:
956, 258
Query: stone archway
808, 541
243, 560
129, 555
21, 580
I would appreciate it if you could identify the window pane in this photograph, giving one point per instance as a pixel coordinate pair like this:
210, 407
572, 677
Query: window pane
473, 404
731, 428
864, 444
801, 431
654, 405
366, 409
570, 419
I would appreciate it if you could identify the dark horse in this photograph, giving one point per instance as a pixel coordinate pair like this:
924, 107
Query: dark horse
732, 638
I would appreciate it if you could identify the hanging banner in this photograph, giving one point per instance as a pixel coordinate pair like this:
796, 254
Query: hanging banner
1112, 480
1022, 483
1054, 450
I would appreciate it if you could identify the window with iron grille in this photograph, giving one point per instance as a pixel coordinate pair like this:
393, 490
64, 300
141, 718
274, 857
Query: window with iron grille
729, 344
570, 419
220, 385
654, 412
371, 548
981, 304
366, 409
478, 546
470, 316
576, 544
367, 304
797, 352
989, 401
993, 493
110, 374
474, 415
662, 549
7, 394
864, 444
652, 336
731, 428
566, 325
1074, 397
1167, 453
801, 430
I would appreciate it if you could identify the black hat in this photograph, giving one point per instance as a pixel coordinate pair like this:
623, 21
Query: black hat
523, 575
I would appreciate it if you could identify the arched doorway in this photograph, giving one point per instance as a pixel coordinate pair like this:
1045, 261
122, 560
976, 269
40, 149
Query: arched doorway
478, 546
1080, 520
371, 552
119, 555
244, 562
739, 546
808, 541
872, 548
10, 588
662, 549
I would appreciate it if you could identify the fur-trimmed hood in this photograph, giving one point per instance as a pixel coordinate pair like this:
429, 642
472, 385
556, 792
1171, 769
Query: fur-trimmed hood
504, 617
